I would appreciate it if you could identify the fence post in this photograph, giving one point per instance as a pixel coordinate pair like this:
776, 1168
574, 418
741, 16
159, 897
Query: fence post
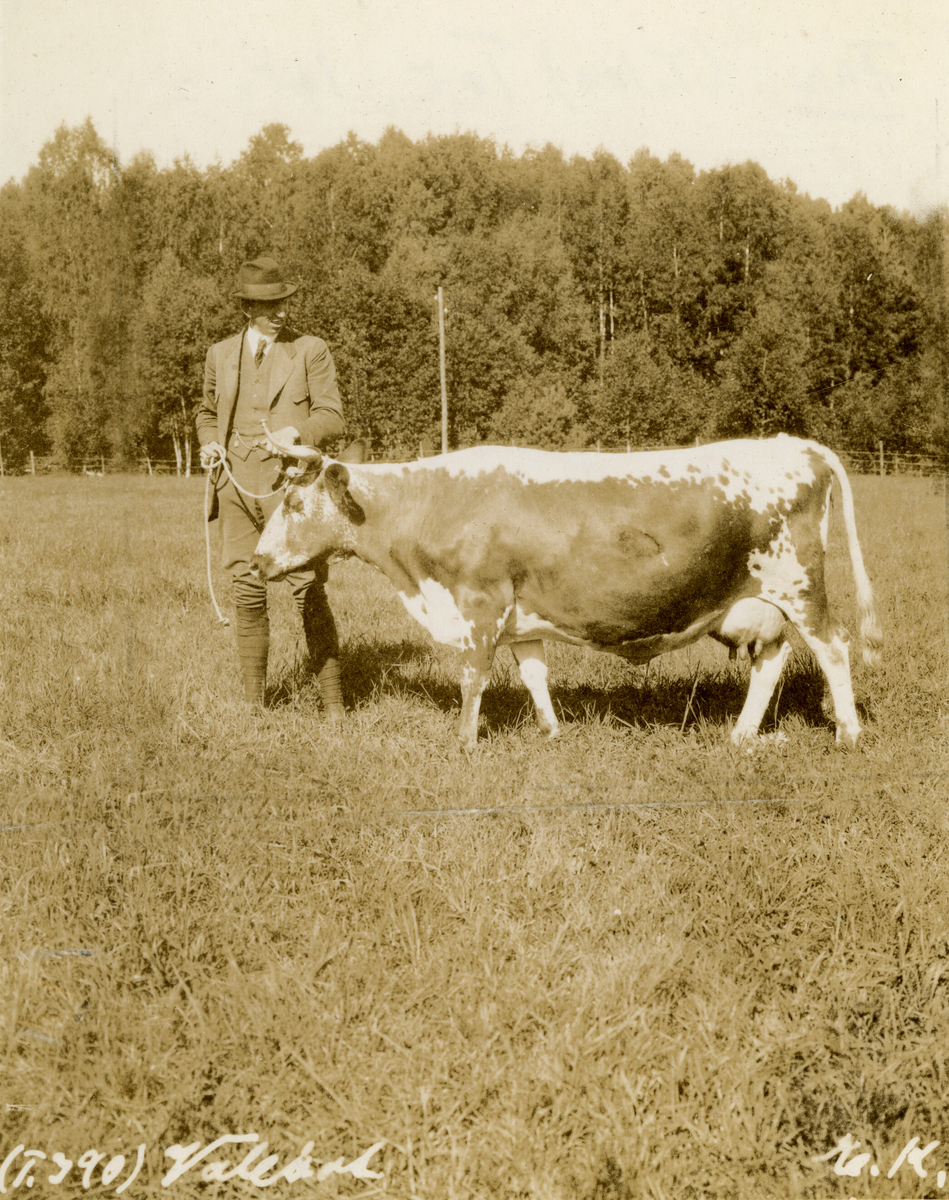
32, 464
441, 369
148, 463
882, 468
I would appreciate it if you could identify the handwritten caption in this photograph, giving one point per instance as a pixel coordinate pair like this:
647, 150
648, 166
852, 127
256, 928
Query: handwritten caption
15, 1173
911, 1155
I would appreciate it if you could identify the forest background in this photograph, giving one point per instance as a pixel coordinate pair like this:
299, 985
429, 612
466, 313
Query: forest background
587, 301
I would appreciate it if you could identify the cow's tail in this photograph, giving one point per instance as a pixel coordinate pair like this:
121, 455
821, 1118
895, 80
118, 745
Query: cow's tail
871, 636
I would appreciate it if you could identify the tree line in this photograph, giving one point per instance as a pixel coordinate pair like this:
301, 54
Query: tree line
586, 300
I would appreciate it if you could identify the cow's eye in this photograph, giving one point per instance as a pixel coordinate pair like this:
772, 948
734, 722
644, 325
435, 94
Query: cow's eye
293, 502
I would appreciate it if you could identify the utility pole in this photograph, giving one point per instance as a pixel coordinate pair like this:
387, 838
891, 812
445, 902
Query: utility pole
441, 368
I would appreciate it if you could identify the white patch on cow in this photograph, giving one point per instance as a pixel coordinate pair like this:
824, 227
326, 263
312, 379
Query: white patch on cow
434, 607
503, 620
761, 472
781, 576
529, 627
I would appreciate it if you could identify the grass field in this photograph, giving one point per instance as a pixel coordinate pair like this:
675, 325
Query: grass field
632, 962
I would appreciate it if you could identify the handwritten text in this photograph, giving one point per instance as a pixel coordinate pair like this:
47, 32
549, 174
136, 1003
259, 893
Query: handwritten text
22, 1167
911, 1155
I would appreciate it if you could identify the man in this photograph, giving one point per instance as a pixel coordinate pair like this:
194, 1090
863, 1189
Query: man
268, 372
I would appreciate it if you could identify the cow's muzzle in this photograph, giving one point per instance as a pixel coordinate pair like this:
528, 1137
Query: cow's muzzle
264, 567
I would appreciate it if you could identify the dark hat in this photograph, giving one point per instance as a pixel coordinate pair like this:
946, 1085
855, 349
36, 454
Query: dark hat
260, 280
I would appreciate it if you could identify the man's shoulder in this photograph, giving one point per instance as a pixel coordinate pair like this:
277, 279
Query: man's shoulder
302, 341
226, 344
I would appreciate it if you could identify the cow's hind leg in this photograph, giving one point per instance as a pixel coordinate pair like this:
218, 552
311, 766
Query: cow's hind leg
833, 658
793, 579
532, 664
765, 672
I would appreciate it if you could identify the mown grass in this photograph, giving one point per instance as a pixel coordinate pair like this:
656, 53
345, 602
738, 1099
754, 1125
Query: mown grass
645, 964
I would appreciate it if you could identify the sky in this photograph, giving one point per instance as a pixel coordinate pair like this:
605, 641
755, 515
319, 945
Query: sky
839, 96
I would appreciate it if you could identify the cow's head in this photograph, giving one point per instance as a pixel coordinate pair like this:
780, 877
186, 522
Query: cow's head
318, 514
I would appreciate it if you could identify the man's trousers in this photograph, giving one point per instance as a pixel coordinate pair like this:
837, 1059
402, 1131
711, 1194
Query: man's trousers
242, 521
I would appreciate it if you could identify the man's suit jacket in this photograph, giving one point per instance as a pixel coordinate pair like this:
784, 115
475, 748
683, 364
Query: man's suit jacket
303, 391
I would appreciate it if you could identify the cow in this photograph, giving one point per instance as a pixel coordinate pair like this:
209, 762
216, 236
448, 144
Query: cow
636, 553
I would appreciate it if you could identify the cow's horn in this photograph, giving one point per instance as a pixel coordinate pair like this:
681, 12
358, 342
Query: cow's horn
303, 453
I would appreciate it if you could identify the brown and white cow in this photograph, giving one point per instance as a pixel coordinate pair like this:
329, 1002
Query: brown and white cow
632, 553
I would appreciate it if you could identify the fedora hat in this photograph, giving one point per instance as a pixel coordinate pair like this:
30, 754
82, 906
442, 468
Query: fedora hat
260, 280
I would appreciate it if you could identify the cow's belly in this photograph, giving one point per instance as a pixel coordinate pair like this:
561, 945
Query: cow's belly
524, 626
607, 600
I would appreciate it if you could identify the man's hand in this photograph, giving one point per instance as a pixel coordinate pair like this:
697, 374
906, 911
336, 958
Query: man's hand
279, 439
211, 452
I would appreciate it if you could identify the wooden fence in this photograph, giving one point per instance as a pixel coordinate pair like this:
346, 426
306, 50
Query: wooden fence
867, 462
857, 462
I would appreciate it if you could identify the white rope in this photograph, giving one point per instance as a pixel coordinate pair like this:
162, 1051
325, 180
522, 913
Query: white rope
218, 459
207, 541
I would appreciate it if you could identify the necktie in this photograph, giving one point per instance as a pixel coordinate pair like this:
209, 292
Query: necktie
261, 350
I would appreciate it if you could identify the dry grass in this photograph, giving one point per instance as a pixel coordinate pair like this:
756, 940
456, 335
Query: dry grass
625, 979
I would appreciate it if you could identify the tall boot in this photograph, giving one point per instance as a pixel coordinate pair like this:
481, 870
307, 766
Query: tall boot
322, 643
253, 644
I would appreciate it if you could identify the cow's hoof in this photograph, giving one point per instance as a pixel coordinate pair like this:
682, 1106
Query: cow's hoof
335, 714
550, 731
847, 740
750, 742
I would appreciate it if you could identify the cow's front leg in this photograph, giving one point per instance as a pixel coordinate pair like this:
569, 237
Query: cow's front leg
475, 672
532, 663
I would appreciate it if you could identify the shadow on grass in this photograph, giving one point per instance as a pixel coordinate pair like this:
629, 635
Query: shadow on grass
681, 702
653, 699
368, 668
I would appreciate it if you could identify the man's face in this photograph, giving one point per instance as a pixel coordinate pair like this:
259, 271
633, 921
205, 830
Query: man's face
268, 316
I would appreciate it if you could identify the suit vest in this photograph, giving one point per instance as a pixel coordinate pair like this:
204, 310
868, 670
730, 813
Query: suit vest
252, 405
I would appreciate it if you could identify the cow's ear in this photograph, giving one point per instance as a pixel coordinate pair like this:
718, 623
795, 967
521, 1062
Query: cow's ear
336, 479
356, 452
